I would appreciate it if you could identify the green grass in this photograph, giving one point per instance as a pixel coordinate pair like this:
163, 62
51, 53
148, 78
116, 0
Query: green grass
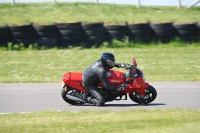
158, 62
48, 13
129, 121
171, 62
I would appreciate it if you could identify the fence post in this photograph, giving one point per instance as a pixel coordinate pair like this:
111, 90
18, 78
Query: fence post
97, 1
54, 1
138, 5
13, 2
179, 4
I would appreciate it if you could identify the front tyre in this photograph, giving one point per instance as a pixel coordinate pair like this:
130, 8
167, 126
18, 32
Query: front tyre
150, 95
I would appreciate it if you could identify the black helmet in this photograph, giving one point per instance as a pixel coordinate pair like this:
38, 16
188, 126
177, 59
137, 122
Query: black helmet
108, 60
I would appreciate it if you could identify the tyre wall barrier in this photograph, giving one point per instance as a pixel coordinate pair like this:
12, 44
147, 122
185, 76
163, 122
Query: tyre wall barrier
93, 34
45, 35
21, 34
117, 32
187, 32
4, 35
198, 25
163, 32
68, 34
140, 32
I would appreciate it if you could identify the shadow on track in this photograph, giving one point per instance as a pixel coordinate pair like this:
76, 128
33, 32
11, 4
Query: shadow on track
127, 105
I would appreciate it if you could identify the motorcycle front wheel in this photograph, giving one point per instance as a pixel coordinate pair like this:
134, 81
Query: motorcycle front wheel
150, 95
71, 92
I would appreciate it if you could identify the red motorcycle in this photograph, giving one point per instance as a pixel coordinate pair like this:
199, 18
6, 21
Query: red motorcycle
138, 90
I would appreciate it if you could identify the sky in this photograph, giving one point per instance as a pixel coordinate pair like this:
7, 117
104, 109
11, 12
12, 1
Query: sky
134, 2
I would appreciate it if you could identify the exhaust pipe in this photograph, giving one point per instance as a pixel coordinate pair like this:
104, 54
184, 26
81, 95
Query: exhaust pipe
74, 98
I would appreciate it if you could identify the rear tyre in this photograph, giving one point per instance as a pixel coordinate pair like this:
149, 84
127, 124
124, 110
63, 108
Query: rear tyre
72, 92
150, 95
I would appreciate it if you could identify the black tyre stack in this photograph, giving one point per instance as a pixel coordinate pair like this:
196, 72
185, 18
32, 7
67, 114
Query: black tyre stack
4, 35
21, 34
140, 32
68, 34
163, 32
198, 25
116, 32
45, 35
187, 32
93, 34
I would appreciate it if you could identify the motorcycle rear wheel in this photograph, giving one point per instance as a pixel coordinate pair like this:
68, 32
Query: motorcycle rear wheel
150, 94
70, 101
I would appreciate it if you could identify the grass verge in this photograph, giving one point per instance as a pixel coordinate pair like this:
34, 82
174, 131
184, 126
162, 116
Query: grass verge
137, 121
159, 63
48, 13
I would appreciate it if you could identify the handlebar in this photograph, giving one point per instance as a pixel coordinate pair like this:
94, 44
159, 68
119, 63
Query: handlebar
127, 66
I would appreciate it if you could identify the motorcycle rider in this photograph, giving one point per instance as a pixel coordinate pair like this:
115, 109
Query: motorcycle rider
96, 73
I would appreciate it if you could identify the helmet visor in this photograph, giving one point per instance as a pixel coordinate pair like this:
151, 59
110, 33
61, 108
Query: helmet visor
111, 62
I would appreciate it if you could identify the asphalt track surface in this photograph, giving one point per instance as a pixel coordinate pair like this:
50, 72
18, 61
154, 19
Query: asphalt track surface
38, 97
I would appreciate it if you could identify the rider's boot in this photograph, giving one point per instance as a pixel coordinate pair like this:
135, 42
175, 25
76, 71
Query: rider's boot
90, 100
86, 98
96, 102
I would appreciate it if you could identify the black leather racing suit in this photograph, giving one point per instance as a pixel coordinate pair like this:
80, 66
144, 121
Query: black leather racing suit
91, 78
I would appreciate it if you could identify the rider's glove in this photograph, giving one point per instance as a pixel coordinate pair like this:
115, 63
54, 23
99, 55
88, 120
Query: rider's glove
123, 65
122, 87
118, 65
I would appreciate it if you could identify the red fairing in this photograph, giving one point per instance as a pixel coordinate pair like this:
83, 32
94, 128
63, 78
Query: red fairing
143, 88
74, 79
114, 77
